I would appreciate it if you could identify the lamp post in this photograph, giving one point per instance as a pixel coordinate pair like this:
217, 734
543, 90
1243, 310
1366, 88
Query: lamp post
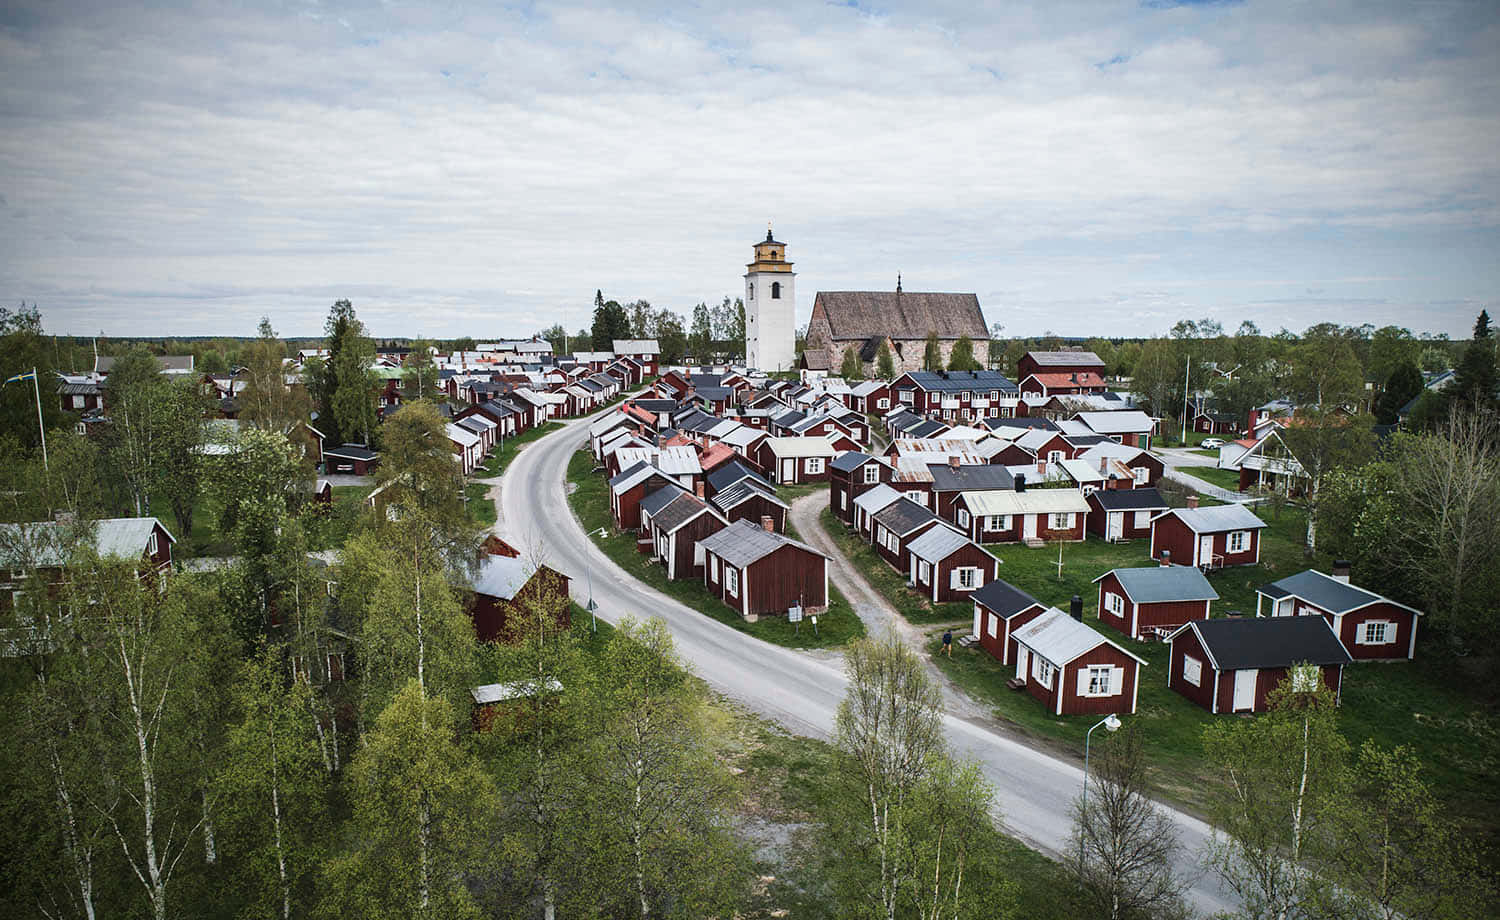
1111, 723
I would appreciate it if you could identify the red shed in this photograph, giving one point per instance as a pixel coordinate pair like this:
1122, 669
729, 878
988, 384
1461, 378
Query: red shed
1232, 664
1074, 670
947, 566
628, 488
507, 586
758, 572
1371, 627
1124, 514
350, 458
1209, 538
1144, 603
1000, 608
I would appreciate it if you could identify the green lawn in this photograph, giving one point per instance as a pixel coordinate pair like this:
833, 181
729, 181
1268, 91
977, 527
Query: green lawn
880, 575
478, 503
590, 503
1224, 479
503, 454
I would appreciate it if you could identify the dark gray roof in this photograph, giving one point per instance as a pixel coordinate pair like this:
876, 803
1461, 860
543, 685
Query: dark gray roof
742, 543
1064, 358
972, 477
962, 381
927, 429
350, 452
1024, 421
1085, 440
1324, 591
653, 504
743, 491
731, 473
858, 315
1160, 584
1148, 499
904, 516
1004, 598
679, 511
1268, 642
791, 417
848, 462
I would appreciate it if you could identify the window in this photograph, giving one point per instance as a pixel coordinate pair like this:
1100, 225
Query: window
697, 554
151, 544
750, 291
732, 580
1101, 681
1143, 519
1239, 541
963, 518
814, 465
1305, 678
713, 570
992, 625
1142, 474
882, 403
78, 402
1054, 456
872, 474
966, 578
1377, 632
994, 523
1114, 603
1041, 670
775, 290
918, 497
924, 573
843, 501
1192, 670
1062, 521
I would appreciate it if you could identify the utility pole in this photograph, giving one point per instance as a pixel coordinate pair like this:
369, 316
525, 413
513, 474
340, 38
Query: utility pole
1186, 377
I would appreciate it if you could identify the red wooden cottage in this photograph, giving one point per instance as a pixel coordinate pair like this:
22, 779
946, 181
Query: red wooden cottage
851, 475
750, 499
1149, 602
1232, 664
1072, 669
508, 589
897, 525
757, 572
1124, 514
1371, 627
1000, 608
1209, 538
675, 531
355, 459
946, 566
628, 488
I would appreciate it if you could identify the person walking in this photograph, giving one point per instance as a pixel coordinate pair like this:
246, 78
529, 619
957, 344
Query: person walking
948, 643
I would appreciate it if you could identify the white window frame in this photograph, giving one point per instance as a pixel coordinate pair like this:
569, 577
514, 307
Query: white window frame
1114, 603
732, 580
967, 577
992, 625
151, 544
918, 497
713, 569
1387, 632
78, 402
1238, 541
1142, 519
1192, 670
1055, 456
883, 402
872, 473
1142, 474
963, 518
1060, 521
1101, 681
1042, 670
924, 572
996, 523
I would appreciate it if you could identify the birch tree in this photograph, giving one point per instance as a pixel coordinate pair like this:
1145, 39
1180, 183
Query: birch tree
1286, 770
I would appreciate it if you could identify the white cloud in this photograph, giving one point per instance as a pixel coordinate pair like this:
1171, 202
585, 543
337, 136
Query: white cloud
183, 170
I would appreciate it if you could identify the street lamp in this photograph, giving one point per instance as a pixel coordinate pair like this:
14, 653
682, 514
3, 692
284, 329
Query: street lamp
1111, 723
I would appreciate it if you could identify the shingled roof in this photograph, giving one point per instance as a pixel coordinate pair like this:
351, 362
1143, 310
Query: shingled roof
860, 315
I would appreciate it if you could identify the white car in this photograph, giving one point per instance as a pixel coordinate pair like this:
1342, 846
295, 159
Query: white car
1212, 443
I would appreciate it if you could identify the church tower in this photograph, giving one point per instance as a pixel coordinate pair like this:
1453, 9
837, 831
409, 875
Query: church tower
770, 308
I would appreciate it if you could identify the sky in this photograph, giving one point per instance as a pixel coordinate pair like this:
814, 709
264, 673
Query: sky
478, 169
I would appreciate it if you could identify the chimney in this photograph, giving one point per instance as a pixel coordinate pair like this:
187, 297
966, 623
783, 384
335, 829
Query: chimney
698, 488
1041, 466
1341, 568
1020, 482
1104, 464
953, 462
767, 523
1192, 500
1166, 559
1075, 607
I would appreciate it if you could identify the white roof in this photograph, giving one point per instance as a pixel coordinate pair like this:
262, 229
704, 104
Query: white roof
818, 446
1128, 421
966, 433
1034, 501
479, 419
612, 420
876, 499
1073, 426
679, 460
1035, 438
1082, 470
742, 436
636, 347
1059, 638
499, 693
1215, 518
463, 436
937, 544
866, 387
719, 431
118, 538
1111, 449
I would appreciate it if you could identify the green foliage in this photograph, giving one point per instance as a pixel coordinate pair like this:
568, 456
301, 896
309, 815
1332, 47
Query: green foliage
1402, 385
343, 386
610, 323
419, 375
417, 473
1391, 347
1475, 387
885, 362
22, 348
962, 357
851, 369
932, 353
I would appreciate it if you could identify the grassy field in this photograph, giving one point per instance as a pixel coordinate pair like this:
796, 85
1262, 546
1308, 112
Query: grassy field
1417, 703
910, 604
478, 503
590, 503
1224, 479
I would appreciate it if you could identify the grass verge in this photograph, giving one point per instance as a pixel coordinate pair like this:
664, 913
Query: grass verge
590, 502
1224, 479
886, 580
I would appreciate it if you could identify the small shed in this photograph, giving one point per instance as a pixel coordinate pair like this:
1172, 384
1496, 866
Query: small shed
1124, 514
1074, 670
1000, 608
758, 572
1370, 626
1150, 602
1209, 538
354, 459
1232, 664
947, 566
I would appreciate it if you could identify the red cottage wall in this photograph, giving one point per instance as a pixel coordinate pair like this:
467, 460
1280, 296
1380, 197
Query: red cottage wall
1001, 645
1075, 704
1188, 644
970, 555
1169, 533
1173, 613
781, 579
1111, 584
1354, 623
1266, 680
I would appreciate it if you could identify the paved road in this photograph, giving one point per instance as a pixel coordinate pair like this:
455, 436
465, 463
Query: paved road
1180, 462
801, 691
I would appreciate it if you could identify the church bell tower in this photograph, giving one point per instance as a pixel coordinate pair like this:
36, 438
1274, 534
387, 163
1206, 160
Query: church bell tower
770, 308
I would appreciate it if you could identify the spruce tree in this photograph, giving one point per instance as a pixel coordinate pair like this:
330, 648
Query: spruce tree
1403, 385
1474, 381
962, 358
851, 369
932, 355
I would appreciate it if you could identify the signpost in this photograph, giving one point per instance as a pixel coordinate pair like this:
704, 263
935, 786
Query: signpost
794, 616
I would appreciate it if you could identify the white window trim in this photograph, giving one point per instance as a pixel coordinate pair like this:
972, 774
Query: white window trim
924, 572
997, 523
1387, 632
1114, 603
992, 625
1061, 521
1042, 670
963, 518
1105, 675
872, 474
713, 569
814, 465
732, 580
968, 573
1192, 670
1238, 541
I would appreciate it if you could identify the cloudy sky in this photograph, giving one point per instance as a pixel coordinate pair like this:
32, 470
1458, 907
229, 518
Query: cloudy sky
1086, 168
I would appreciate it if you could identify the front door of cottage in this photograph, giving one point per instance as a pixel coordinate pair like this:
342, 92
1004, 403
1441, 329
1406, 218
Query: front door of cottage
1206, 550
1244, 689
788, 471
1028, 527
1116, 526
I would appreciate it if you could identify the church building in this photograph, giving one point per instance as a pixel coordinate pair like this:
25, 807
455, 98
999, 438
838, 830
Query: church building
864, 319
770, 308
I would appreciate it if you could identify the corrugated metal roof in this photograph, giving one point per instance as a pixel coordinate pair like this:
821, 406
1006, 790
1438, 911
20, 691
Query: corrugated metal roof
1127, 421
1216, 518
1035, 501
817, 446
1162, 584
503, 576
938, 544
742, 543
1059, 638
1064, 358
876, 499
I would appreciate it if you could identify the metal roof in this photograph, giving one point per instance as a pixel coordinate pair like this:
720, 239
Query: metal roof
903, 516
679, 511
1149, 499
876, 499
350, 452
1216, 518
1237, 643
661, 498
1036, 501
938, 543
1125, 421
43, 541
502, 576
1059, 638
1004, 598
970, 477
850, 461
628, 479
743, 491
1327, 592
817, 446
742, 543
1160, 584
731, 473
1064, 358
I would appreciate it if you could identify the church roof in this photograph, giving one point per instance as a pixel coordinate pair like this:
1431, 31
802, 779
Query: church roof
860, 315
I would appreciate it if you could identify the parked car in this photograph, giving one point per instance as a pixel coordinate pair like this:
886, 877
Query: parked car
1212, 443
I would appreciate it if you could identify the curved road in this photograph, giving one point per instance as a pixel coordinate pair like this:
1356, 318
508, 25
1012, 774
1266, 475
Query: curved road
1034, 791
